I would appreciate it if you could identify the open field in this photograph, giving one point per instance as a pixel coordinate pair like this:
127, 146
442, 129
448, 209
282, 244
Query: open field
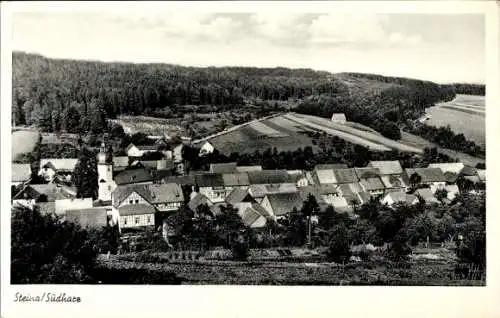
150, 125
372, 140
417, 141
23, 141
465, 114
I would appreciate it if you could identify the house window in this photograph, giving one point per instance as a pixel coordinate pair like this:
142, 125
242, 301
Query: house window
136, 220
109, 168
137, 201
109, 188
130, 201
149, 219
125, 221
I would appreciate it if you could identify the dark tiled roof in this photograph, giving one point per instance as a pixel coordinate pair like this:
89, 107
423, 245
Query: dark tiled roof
129, 176
182, 180
209, 180
48, 192
469, 171
367, 172
235, 179
269, 177
346, 175
372, 184
237, 196
223, 167
427, 174
93, 217
283, 203
120, 162
136, 209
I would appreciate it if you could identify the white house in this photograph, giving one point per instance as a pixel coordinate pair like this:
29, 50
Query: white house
339, 118
211, 185
138, 151
206, 148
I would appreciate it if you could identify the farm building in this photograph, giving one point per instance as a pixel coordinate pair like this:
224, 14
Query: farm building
268, 177
134, 176
433, 177
427, 195
339, 118
254, 216
248, 168
197, 200
281, 204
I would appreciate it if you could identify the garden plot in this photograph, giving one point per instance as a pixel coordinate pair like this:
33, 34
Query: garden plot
267, 131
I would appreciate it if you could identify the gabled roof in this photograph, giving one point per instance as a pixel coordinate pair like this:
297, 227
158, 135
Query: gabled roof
182, 180
329, 188
209, 180
165, 192
92, 217
235, 179
364, 197
248, 168
59, 164
120, 162
315, 190
450, 176
198, 200
346, 175
372, 184
469, 171
454, 167
253, 213
268, 177
136, 209
325, 176
223, 167
349, 192
281, 188
331, 166
427, 174
367, 172
394, 181
150, 148
21, 172
339, 116
387, 167
296, 175
238, 195
49, 192
152, 193
130, 176
427, 195
401, 197
283, 203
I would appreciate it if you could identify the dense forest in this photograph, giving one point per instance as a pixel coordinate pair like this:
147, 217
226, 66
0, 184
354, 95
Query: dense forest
78, 96
469, 89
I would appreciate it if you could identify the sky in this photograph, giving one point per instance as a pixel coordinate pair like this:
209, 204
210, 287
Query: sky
440, 47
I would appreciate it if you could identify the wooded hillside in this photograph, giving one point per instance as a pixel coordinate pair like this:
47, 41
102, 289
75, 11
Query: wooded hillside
72, 95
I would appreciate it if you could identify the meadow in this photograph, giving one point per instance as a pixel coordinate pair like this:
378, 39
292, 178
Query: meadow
23, 141
465, 114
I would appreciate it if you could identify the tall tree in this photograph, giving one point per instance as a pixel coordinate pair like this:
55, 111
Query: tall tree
85, 175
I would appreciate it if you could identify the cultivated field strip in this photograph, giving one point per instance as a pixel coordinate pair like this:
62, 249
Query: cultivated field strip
288, 124
265, 130
465, 110
346, 136
365, 135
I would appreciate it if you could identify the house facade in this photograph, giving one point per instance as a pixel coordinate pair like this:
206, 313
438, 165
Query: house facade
211, 185
63, 168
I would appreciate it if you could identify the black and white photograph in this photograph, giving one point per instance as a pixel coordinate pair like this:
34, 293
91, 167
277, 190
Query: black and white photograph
188, 145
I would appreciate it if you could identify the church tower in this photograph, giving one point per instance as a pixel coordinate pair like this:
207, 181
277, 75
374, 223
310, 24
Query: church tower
105, 174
